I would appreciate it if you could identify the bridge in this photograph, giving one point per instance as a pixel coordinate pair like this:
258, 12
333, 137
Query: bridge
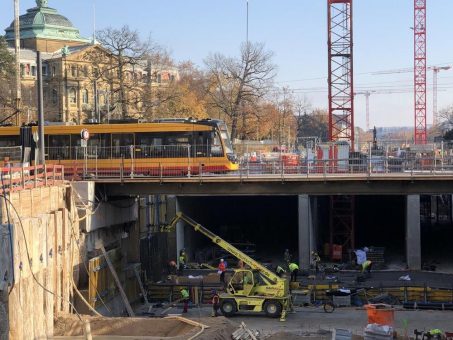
284, 184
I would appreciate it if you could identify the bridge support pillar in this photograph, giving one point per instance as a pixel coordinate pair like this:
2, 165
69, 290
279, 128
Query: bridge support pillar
305, 230
179, 233
413, 241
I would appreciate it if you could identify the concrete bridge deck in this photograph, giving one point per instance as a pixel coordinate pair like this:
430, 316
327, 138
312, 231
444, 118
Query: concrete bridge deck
287, 184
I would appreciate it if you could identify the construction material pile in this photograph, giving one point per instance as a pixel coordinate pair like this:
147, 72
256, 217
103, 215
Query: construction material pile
175, 328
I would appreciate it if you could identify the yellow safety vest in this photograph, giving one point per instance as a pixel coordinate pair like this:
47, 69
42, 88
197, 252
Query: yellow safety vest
293, 266
184, 293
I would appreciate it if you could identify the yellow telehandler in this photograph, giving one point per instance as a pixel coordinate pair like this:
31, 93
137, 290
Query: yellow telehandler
255, 289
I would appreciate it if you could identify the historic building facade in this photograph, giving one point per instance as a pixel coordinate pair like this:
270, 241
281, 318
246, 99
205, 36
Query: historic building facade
76, 88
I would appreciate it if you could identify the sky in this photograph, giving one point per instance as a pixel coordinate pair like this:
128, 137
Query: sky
296, 31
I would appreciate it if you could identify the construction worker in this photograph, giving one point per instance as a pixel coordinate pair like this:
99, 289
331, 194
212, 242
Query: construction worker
241, 264
287, 256
294, 270
185, 299
172, 268
182, 261
280, 271
366, 266
215, 299
221, 270
315, 258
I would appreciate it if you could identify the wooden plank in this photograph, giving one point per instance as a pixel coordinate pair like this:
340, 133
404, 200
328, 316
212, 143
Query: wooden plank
118, 283
28, 307
56, 266
16, 313
142, 289
50, 272
65, 263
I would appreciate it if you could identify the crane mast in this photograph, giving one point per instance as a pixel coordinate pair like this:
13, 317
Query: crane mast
420, 71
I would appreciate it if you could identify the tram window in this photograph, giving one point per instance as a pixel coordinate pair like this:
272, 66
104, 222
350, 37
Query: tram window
200, 146
147, 139
182, 138
121, 144
59, 146
6, 141
122, 139
216, 145
100, 143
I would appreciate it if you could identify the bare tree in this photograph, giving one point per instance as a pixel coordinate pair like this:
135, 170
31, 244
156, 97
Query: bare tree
235, 82
7, 80
127, 55
446, 117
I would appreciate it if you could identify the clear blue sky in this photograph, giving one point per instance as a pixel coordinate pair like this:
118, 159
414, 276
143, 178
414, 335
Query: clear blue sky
296, 31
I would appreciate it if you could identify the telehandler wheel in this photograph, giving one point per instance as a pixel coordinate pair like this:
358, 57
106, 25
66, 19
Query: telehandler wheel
273, 308
228, 307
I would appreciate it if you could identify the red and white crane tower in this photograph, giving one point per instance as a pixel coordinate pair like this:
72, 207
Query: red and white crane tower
341, 112
420, 71
340, 73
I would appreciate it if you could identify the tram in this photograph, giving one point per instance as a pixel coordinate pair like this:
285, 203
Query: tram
159, 148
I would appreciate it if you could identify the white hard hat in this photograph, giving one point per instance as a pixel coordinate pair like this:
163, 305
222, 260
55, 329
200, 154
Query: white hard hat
221, 260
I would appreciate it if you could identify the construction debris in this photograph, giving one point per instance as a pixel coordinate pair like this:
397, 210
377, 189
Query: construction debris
243, 333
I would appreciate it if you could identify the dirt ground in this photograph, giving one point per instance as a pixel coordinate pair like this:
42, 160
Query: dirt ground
220, 328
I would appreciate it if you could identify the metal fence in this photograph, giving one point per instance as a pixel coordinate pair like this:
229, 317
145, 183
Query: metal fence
26, 177
173, 161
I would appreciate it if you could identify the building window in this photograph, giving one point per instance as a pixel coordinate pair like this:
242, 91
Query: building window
72, 96
44, 70
74, 71
54, 71
85, 96
85, 71
33, 71
54, 96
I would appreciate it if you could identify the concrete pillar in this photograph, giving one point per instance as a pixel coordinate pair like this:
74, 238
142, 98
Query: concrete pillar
179, 232
305, 231
413, 242
133, 242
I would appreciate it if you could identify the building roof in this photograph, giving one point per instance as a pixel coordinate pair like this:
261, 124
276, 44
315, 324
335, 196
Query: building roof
45, 23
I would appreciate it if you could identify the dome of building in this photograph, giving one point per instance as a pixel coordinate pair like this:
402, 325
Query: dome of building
44, 22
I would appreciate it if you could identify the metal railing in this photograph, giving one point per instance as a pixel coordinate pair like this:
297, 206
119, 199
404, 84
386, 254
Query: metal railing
174, 161
26, 177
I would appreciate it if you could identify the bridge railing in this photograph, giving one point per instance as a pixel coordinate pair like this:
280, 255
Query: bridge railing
174, 161
16, 178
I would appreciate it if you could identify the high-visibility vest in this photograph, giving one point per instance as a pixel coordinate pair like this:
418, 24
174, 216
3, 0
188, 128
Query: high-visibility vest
366, 264
184, 293
293, 267
182, 259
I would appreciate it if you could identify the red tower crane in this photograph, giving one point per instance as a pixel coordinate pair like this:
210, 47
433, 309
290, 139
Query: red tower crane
420, 71
340, 73
341, 114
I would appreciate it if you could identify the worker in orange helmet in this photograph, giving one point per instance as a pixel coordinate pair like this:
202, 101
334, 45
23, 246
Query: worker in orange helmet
221, 270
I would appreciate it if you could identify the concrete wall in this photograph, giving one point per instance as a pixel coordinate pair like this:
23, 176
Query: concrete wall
97, 215
45, 234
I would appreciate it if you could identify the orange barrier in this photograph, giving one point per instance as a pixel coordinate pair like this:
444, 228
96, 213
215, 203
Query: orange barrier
380, 314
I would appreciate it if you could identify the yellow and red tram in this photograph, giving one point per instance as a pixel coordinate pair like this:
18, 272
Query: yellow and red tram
163, 147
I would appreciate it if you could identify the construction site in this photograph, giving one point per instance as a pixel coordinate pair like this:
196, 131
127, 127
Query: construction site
84, 264
209, 239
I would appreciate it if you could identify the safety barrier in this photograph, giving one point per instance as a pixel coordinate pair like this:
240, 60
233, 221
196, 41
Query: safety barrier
187, 167
13, 178
183, 160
